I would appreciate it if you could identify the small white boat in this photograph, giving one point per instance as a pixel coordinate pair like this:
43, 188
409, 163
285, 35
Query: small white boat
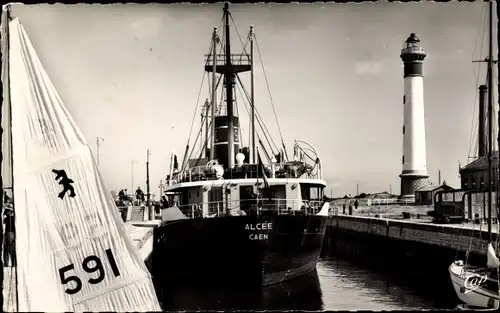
465, 307
476, 287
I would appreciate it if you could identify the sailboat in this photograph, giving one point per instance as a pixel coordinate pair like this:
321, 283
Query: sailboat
72, 250
478, 287
233, 219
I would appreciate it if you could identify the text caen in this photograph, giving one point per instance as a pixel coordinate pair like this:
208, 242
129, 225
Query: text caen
258, 236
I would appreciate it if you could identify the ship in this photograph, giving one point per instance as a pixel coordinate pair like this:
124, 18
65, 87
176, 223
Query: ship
231, 218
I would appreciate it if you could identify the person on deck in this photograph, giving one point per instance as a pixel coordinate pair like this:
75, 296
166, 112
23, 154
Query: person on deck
164, 202
139, 194
6, 198
121, 196
9, 247
356, 204
157, 206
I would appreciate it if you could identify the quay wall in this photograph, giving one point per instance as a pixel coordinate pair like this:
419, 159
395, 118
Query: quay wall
410, 252
446, 236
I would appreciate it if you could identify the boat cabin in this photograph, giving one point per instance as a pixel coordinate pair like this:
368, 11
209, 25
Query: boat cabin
244, 196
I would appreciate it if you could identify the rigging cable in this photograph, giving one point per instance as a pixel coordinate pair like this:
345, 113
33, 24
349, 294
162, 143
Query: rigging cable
268, 88
267, 84
248, 111
195, 143
474, 129
184, 161
258, 116
260, 120
264, 148
203, 148
239, 37
265, 151
245, 53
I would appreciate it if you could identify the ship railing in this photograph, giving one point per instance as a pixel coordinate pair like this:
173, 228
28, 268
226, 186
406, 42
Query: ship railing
220, 59
200, 173
279, 206
412, 49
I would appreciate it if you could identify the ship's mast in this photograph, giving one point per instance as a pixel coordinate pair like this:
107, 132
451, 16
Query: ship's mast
226, 143
490, 121
5, 32
498, 117
228, 84
252, 95
214, 92
204, 115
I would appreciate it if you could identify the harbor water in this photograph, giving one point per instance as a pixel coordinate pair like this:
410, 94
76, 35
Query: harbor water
336, 285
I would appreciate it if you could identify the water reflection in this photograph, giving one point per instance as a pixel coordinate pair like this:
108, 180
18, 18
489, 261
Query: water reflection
347, 286
335, 285
303, 293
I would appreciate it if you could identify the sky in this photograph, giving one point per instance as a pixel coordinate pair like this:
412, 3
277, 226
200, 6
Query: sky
131, 74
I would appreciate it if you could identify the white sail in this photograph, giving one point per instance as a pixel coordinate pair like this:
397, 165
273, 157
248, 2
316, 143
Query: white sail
73, 253
493, 261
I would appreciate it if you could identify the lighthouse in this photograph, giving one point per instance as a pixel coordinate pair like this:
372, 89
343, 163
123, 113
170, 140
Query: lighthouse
414, 174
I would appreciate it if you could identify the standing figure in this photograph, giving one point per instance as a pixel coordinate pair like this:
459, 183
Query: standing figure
9, 244
139, 194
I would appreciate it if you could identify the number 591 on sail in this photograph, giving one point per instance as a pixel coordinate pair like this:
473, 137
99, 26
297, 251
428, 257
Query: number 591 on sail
91, 264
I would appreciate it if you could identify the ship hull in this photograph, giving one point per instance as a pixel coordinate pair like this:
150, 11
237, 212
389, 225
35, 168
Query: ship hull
236, 250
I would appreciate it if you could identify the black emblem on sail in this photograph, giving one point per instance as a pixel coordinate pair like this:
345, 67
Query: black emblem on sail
65, 182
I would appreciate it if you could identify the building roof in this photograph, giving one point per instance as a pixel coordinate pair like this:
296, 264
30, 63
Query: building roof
378, 195
480, 163
435, 187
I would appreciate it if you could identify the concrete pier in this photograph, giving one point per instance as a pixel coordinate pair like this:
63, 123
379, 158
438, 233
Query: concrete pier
452, 236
